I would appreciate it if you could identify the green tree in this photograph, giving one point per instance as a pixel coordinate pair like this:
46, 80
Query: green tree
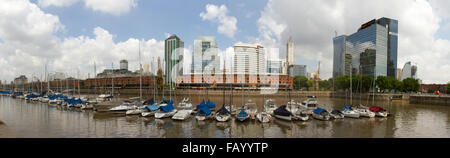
410, 85
300, 82
342, 82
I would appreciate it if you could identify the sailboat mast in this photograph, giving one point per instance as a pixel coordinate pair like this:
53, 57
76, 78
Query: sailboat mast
140, 72
351, 85
78, 83
95, 77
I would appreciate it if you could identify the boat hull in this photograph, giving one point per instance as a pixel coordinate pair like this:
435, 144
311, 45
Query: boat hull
162, 114
286, 118
321, 117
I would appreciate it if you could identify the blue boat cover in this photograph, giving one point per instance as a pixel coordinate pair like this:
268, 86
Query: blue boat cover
319, 111
56, 96
348, 107
32, 96
201, 105
152, 107
242, 114
167, 101
5, 92
167, 108
204, 110
223, 110
74, 101
281, 111
211, 105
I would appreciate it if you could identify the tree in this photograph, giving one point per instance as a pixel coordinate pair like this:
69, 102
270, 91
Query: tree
300, 82
342, 82
410, 85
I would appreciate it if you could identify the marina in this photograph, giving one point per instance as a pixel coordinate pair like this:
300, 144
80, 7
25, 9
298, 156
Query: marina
27, 118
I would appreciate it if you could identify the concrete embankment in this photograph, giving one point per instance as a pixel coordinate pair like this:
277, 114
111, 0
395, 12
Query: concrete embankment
429, 100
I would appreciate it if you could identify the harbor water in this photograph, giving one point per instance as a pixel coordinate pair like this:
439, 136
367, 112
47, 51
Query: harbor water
34, 119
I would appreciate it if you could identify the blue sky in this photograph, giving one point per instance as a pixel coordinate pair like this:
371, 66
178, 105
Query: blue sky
152, 19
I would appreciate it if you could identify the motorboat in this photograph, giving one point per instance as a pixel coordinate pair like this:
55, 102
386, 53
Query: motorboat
300, 116
282, 113
309, 104
270, 106
223, 115
292, 106
242, 115
379, 111
349, 112
364, 112
321, 114
337, 114
166, 109
104, 97
264, 117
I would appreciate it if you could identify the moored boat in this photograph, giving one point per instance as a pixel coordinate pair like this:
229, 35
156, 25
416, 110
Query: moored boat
379, 111
242, 115
166, 110
264, 117
321, 114
349, 112
337, 114
223, 115
282, 113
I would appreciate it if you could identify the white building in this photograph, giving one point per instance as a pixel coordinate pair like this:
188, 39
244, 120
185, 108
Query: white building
205, 59
249, 59
409, 71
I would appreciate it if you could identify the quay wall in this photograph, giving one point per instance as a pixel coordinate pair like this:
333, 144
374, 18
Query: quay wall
429, 100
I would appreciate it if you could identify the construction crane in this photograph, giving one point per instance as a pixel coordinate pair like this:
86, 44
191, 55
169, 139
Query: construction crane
316, 78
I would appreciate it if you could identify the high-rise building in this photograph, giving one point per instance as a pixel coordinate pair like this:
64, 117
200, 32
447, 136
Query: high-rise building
275, 67
409, 71
289, 53
297, 70
249, 59
205, 59
399, 74
375, 42
173, 54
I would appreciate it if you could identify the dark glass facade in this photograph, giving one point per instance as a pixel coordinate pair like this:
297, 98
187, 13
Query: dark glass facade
372, 50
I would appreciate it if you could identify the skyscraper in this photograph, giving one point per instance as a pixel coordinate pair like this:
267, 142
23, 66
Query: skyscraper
289, 54
372, 49
205, 59
249, 59
173, 54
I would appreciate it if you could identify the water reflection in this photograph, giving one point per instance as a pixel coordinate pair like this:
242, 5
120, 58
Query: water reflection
30, 119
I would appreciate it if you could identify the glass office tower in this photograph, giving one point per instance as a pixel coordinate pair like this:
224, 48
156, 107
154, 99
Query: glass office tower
372, 50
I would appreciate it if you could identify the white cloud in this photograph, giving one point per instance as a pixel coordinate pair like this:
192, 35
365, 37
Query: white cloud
227, 24
57, 3
28, 41
116, 8
312, 24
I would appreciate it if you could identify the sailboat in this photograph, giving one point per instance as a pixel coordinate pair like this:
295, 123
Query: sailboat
151, 105
348, 110
270, 106
223, 115
166, 109
282, 113
263, 116
242, 115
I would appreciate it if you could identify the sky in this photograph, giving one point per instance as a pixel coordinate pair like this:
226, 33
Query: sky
71, 35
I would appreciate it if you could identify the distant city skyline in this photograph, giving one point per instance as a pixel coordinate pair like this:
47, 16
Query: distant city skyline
73, 35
